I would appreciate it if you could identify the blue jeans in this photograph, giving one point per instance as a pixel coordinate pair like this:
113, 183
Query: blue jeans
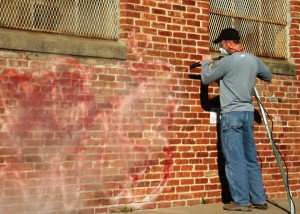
241, 166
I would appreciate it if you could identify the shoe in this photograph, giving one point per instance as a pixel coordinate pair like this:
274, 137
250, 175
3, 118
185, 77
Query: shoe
263, 206
235, 207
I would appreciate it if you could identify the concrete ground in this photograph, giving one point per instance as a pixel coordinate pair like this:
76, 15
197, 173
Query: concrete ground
276, 206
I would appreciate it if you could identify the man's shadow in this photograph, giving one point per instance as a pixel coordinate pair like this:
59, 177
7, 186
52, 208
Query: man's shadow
209, 104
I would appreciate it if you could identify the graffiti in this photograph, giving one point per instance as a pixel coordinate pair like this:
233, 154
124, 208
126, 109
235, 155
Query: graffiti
67, 144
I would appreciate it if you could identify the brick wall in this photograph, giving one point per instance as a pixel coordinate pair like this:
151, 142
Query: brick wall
94, 135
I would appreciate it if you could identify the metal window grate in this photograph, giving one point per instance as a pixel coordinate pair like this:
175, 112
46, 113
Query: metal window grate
261, 23
86, 18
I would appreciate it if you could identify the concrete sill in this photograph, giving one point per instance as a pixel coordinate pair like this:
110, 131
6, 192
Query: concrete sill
280, 66
61, 44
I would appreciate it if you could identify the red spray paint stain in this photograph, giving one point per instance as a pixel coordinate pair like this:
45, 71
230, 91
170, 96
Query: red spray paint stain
63, 144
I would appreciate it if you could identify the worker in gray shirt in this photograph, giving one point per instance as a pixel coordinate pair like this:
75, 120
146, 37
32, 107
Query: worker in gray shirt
236, 74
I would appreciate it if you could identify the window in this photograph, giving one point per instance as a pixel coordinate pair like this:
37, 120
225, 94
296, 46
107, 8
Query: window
261, 23
87, 18
56, 19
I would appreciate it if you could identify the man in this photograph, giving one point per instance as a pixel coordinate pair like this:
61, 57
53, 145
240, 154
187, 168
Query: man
236, 74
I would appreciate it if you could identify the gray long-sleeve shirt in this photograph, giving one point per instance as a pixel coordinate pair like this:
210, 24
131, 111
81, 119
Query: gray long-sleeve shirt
237, 74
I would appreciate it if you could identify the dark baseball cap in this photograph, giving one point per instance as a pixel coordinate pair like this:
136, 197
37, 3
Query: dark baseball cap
227, 34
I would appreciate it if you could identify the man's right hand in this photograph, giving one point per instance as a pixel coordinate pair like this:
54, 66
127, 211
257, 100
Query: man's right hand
207, 57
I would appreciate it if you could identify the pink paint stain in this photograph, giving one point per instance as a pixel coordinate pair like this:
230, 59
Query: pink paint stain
61, 147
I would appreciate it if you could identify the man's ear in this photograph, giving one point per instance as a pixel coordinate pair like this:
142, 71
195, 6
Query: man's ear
237, 47
230, 44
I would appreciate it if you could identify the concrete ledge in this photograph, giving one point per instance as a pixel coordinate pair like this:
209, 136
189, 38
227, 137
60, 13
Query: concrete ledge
278, 66
61, 44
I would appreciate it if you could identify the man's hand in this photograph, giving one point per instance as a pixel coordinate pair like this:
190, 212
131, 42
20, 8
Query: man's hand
207, 57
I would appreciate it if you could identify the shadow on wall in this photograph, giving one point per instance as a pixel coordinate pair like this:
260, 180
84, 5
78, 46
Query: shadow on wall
214, 103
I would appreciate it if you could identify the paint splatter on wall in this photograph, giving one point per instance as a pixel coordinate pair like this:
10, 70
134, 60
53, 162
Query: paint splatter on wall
77, 137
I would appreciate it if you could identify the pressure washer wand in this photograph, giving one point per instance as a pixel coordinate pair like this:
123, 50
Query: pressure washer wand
276, 153
197, 64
